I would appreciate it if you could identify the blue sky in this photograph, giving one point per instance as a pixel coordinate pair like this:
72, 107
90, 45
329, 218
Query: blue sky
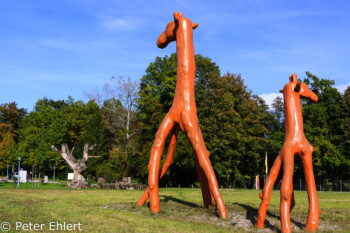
67, 47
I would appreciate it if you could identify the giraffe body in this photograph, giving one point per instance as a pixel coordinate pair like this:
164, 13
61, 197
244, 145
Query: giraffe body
182, 116
295, 142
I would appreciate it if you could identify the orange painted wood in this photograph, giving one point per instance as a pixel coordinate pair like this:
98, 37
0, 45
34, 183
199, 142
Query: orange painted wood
182, 116
295, 142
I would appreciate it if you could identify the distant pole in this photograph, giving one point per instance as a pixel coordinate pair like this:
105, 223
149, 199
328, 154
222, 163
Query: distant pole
13, 168
7, 174
54, 167
266, 165
341, 187
19, 165
32, 175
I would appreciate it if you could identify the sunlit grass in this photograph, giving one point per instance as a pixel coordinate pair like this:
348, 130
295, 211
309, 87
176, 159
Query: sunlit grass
181, 210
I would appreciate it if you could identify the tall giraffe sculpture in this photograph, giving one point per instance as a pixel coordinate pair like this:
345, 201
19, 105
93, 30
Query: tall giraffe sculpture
295, 142
182, 116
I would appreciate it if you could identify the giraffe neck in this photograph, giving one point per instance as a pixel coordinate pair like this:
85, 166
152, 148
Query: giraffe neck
294, 128
186, 66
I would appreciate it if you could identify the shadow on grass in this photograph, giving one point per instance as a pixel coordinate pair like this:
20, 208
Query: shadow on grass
174, 199
252, 215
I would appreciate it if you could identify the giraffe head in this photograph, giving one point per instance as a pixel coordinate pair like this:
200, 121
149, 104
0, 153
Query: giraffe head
302, 89
169, 35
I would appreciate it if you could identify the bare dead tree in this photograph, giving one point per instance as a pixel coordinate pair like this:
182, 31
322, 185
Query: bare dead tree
78, 166
118, 98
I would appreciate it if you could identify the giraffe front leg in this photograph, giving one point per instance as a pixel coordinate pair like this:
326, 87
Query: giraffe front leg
286, 191
167, 163
314, 211
154, 162
265, 194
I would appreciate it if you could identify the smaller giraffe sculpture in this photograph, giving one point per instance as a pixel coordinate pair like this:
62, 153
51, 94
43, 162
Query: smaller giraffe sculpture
295, 142
182, 116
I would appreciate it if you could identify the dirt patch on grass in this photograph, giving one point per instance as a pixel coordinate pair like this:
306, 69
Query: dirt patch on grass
237, 221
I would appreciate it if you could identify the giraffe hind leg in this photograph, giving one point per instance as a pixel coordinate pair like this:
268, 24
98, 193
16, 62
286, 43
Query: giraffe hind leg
207, 197
195, 137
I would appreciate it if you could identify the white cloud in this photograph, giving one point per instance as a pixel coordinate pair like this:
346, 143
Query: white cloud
115, 23
270, 97
342, 88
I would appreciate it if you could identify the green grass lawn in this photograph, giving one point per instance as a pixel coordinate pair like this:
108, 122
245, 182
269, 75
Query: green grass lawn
181, 210
61, 185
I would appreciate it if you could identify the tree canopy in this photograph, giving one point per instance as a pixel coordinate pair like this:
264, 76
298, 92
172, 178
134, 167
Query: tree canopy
122, 120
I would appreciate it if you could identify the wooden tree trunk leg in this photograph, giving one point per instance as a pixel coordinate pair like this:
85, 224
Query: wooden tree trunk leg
143, 198
154, 162
167, 163
204, 162
171, 150
286, 191
292, 203
314, 211
153, 168
265, 194
207, 197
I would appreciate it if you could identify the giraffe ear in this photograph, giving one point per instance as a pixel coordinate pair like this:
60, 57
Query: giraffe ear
281, 90
176, 16
297, 87
194, 25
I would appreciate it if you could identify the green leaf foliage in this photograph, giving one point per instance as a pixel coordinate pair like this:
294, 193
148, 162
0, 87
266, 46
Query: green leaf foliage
52, 122
231, 120
322, 126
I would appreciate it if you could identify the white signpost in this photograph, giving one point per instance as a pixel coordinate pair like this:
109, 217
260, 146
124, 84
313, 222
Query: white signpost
70, 176
23, 176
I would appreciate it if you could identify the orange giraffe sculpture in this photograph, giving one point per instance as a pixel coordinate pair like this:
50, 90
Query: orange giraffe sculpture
182, 116
295, 142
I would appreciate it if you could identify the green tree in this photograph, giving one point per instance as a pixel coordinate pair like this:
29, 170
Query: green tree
345, 132
52, 122
10, 117
231, 120
117, 101
7, 145
96, 133
157, 89
322, 126
275, 125
11, 114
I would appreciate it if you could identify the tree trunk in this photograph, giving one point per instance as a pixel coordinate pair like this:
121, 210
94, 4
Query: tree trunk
77, 166
78, 181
